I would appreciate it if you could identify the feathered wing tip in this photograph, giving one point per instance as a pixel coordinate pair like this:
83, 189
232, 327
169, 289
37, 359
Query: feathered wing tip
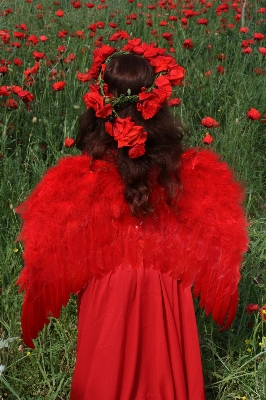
214, 210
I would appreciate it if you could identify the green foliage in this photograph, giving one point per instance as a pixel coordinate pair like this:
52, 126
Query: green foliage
32, 139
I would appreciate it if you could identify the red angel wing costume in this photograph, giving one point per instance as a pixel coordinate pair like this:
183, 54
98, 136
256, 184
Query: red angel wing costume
77, 226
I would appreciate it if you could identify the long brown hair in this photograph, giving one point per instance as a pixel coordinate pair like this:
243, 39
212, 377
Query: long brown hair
163, 145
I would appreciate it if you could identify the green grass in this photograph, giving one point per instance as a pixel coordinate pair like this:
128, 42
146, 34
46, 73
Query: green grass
31, 140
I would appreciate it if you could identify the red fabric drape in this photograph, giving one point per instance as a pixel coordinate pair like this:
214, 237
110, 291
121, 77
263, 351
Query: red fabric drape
137, 339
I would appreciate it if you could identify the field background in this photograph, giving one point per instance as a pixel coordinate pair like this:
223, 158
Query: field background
33, 137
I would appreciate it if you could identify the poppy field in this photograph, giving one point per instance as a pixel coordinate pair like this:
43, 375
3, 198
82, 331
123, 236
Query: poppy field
46, 50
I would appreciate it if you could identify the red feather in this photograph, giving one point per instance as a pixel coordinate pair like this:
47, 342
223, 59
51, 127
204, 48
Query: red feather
78, 225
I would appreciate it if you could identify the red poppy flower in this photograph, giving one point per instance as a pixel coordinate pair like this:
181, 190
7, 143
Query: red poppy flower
17, 62
69, 142
174, 102
4, 91
172, 18
25, 96
38, 55
60, 13
247, 50
95, 101
23, 27
16, 44
100, 24
43, 38
168, 36
15, 89
149, 103
33, 39
89, 5
70, 58
61, 49
164, 86
261, 10
84, 77
208, 139
250, 308
126, 132
62, 34
203, 21
221, 56
258, 36
177, 75
220, 69
76, 4
93, 27
208, 73
262, 50
19, 35
209, 122
3, 70
11, 103
57, 86
188, 44
253, 114
243, 29
5, 36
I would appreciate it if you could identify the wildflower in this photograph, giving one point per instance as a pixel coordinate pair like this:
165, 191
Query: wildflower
253, 114
262, 50
220, 69
208, 139
43, 38
258, 36
243, 29
25, 96
188, 44
57, 86
250, 308
174, 102
202, 21
60, 13
247, 50
221, 56
69, 142
17, 62
33, 39
209, 122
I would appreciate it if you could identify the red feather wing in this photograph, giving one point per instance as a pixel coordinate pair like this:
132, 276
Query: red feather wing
56, 232
216, 237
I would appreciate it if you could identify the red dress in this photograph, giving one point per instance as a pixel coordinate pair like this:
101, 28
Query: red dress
137, 334
137, 339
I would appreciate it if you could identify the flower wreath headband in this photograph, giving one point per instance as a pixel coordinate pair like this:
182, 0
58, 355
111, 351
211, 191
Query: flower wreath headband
167, 74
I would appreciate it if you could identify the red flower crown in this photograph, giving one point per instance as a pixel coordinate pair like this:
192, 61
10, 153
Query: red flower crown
167, 74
